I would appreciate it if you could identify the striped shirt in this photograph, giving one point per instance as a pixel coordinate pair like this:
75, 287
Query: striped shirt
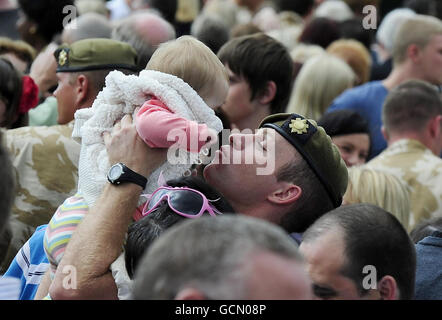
9, 288
30, 264
61, 227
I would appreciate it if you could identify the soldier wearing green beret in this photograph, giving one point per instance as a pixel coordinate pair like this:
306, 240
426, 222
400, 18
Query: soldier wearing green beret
308, 178
82, 68
45, 158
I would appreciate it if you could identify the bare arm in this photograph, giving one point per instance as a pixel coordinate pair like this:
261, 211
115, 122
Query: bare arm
43, 287
98, 239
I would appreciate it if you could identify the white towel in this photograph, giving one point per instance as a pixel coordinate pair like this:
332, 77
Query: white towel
121, 95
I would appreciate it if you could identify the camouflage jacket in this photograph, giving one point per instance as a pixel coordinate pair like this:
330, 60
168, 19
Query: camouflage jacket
419, 169
45, 160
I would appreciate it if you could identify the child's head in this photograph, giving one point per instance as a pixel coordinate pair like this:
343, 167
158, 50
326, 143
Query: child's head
144, 231
193, 62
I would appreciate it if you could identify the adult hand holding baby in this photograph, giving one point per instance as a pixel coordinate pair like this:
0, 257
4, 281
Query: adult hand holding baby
124, 145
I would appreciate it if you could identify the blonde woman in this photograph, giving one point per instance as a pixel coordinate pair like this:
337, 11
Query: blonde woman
380, 188
320, 80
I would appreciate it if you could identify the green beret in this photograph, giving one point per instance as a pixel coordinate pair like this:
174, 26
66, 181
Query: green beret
317, 149
95, 54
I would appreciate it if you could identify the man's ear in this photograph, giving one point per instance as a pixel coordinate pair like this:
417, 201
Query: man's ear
268, 94
388, 289
82, 88
413, 53
384, 133
434, 126
190, 294
287, 193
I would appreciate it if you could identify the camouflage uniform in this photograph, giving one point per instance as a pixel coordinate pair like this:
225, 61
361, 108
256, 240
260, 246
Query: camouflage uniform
46, 158
419, 169
45, 161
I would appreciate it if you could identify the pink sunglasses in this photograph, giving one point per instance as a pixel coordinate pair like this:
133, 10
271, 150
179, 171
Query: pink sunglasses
187, 202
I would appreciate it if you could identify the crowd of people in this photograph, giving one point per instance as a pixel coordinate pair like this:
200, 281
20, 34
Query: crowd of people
220, 149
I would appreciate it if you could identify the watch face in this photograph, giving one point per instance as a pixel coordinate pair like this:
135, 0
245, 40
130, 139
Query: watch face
115, 172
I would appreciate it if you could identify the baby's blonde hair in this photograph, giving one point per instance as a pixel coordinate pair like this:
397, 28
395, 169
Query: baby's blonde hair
366, 185
192, 61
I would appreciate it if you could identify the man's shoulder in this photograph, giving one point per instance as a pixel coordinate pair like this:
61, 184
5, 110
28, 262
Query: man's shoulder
408, 161
366, 93
45, 136
64, 129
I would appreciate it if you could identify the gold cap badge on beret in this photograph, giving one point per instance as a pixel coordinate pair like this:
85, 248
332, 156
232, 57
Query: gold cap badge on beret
299, 126
62, 57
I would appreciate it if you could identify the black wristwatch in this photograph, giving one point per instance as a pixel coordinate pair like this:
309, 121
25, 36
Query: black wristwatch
119, 173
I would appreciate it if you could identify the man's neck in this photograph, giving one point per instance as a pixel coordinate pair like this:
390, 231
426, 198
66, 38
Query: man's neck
399, 75
403, 72
261, 210
412, 136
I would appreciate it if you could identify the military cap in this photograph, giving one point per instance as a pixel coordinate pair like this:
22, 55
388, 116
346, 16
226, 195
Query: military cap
95, 54
317, 149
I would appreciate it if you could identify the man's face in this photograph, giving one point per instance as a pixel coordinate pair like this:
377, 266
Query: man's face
272, 277
325, 261
238, 105
432, 60
65, 95
244, 171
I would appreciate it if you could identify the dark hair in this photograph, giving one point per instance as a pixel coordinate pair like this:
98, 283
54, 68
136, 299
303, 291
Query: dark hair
10, 94
48, 14
211, 31
143, 232
167, 8
314, 200
341, 122
354, 29
426, 7
300, 7
409, 106
320, 31
260, 59
7, 187
372, 236
425, 229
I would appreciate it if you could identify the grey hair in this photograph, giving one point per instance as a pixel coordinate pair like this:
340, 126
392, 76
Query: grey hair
126, 31
210, 255
87, 26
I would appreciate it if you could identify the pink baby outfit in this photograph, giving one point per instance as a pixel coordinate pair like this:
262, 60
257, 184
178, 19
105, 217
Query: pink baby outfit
161, 128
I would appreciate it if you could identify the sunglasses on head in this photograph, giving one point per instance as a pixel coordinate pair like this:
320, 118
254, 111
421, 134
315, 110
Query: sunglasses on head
187, 202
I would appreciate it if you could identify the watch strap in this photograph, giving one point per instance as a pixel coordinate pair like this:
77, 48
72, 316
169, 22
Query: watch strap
131, 176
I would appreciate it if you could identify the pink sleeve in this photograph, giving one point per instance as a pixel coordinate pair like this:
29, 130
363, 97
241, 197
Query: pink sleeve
160, 128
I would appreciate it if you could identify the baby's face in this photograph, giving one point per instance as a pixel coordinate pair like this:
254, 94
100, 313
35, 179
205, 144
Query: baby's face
217, 96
